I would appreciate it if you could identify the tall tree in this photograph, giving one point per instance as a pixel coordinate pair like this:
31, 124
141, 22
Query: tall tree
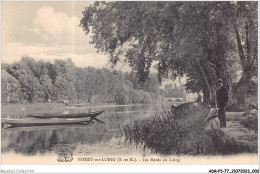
244, 18
171, 34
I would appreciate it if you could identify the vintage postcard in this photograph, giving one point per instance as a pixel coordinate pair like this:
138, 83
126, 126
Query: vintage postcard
136, 82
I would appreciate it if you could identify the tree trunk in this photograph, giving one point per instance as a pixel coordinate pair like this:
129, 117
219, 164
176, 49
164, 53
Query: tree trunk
242, 86
230, 95
241, 90
206, 97
211, 88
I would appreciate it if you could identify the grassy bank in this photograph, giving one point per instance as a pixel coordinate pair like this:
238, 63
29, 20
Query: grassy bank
181, 133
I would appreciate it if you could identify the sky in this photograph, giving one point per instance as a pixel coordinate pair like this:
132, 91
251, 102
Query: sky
47, 31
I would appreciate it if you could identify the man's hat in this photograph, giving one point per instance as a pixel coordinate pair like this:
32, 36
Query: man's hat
219, 81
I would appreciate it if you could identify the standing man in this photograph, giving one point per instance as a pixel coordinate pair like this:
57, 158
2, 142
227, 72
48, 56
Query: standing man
222, 99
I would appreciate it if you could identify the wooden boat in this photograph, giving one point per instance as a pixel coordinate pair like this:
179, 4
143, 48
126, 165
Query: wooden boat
92, 115
50, 120
45, 122
9, 128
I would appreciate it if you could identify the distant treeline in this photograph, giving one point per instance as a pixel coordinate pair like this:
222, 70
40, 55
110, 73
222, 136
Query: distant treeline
171, 91
39, 81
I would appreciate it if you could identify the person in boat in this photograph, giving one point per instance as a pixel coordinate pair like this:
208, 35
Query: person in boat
222, 99
212, 121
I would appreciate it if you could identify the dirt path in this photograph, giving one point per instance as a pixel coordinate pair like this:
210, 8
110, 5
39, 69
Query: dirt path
239, 132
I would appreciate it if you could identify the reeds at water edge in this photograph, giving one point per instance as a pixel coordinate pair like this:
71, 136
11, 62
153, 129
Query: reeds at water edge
181, 132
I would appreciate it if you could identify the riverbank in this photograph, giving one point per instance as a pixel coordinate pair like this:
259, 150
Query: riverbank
241, 134
183, 132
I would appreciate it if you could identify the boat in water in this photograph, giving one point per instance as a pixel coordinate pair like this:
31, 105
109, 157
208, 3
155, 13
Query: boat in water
50, 120
80, 115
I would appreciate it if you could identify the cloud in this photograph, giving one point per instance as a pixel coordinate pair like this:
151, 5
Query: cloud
13, 51
36, 30
49, 53
55, 23
56, 36
45, 37
60, 29
83, 60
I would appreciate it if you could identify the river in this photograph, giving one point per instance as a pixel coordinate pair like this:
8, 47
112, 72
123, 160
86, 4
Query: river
93, 139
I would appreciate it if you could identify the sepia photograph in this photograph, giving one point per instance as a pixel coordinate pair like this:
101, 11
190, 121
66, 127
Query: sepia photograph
130, 82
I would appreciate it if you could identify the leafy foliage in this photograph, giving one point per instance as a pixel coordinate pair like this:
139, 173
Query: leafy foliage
10, 88
62, 80
180, 38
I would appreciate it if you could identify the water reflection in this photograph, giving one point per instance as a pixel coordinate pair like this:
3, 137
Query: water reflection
74, 139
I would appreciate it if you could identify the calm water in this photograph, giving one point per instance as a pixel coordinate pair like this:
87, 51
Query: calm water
91, 139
